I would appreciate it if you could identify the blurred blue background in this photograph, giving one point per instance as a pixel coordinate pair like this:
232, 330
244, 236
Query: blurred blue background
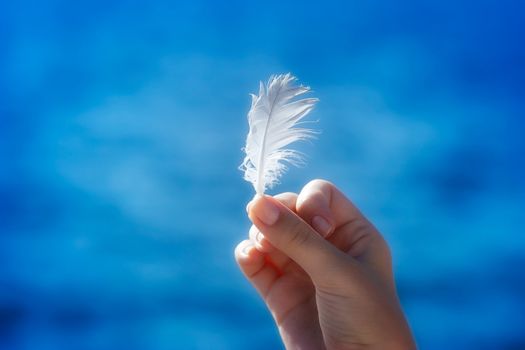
121, 127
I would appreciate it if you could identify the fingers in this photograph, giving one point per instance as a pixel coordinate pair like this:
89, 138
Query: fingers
262, 244
350, 231
260, 262
253, 264
289, 233
258, 240
320, 200
323, 206
289, 199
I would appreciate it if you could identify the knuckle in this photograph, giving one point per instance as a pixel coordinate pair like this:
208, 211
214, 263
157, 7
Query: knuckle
287, 198
298, 235
285, 195
319, 184
315, 195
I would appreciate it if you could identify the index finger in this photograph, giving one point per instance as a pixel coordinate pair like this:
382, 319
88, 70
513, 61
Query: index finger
350, 230
322, 198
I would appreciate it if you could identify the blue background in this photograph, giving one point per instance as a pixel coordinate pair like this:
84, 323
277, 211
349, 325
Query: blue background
121, 124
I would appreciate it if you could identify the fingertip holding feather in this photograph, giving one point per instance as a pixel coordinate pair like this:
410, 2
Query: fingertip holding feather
273, 119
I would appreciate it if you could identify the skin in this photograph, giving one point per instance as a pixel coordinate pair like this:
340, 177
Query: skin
324, 272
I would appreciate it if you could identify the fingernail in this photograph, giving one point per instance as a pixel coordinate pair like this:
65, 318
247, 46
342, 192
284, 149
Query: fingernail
247, 248
321, 225
259, 236
267, 212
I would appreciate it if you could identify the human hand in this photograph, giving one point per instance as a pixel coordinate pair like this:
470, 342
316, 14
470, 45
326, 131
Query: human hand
331, 287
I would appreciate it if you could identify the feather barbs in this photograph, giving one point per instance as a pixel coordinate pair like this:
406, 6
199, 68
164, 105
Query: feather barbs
273, 120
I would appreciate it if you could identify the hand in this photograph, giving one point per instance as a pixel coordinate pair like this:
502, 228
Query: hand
331, 287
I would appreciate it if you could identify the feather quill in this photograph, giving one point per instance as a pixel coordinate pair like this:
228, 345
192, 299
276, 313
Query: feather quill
273, 119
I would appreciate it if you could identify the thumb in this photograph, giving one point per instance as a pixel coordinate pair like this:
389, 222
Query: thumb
295, 238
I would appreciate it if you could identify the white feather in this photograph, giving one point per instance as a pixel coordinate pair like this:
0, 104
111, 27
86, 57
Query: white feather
273, 119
